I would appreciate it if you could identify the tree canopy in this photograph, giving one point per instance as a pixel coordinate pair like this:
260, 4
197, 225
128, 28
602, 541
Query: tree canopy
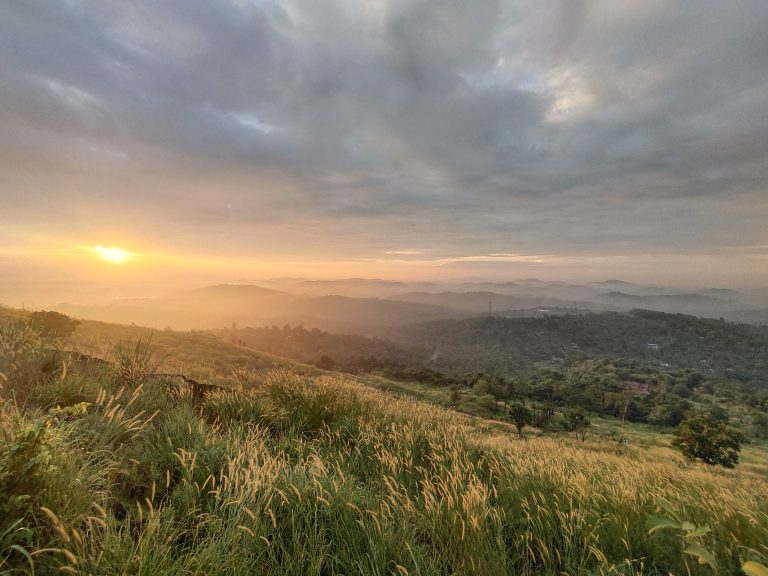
52, 324
711, 440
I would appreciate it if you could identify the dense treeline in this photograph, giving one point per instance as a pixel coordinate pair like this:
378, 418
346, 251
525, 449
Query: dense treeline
507, 346
344, 352
502, 345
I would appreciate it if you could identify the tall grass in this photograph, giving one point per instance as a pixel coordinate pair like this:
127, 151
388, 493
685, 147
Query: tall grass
295, 473
134, 360
26, 359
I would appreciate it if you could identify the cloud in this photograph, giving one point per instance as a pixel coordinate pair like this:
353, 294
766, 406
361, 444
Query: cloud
487, 127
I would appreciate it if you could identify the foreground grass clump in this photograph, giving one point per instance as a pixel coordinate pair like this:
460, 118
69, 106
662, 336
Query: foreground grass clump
291, 472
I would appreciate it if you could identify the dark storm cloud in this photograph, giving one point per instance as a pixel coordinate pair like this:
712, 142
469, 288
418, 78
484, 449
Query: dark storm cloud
476, 127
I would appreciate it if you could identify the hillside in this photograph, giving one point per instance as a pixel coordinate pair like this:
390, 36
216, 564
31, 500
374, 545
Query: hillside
296, 471
512, 341
495, 344
347, 352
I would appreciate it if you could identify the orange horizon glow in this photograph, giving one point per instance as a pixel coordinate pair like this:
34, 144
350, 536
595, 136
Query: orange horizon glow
144, 259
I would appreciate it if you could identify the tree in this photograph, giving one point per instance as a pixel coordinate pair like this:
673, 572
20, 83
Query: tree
455, 396
52, 324
488, 402
681, 389
577, 421
521, 416
717, 412
500, 390
760, 423
668, 411
710, 440
482, 387
326, 363
694, 380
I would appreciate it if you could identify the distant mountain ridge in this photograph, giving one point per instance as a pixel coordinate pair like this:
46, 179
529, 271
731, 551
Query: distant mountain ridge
478, 302
244, 304
371, 306
694, 303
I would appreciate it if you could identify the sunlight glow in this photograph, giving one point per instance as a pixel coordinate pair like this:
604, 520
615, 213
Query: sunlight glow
112, 254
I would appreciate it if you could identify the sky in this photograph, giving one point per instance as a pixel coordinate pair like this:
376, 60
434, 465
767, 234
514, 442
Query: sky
404, 139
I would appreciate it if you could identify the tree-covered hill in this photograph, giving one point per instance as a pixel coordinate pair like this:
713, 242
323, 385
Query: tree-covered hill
347, 352
511, 345
495, 344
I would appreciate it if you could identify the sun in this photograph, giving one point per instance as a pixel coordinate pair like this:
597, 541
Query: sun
112, 254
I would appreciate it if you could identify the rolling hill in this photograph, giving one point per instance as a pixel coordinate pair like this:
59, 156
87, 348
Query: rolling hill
291, 470
496, 344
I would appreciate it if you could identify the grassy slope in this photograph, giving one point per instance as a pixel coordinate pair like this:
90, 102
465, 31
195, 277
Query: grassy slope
303, 472
197, 354
210, 359
603, 433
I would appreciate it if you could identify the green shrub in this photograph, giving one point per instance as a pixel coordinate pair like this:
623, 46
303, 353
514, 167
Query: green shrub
25, 463
521, 416
576, 420
51, 324
710, 440
25, 359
